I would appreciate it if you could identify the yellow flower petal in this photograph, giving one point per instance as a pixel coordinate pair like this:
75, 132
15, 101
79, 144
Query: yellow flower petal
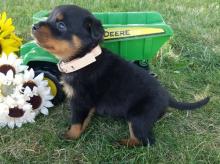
8, 22
9, 42
9, 49
8, 46
7, 32
18, 41
7, 25
3, 17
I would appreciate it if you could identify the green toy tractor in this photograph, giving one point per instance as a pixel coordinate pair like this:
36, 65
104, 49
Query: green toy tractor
135, 36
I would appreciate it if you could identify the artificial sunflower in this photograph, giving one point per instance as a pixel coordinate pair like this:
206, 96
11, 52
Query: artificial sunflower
11, 62
38, 91
9, 42
22, 95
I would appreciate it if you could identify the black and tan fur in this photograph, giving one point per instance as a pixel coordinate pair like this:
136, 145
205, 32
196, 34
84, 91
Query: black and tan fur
110, 86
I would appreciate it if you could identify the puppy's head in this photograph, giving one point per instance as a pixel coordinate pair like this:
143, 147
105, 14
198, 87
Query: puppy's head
69, 32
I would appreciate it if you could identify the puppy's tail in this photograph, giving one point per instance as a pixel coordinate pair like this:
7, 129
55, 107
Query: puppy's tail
188, 106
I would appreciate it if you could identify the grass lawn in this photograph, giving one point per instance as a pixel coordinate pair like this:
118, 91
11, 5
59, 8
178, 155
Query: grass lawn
189, 66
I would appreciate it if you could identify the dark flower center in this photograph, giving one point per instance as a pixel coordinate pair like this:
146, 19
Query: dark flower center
0, 49
35, 101
6, 67
29, 84
16, 112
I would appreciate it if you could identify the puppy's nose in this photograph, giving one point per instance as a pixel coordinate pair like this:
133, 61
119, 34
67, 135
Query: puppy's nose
35, 27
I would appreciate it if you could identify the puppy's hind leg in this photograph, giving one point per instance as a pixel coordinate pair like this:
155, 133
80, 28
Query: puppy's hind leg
140, 127
132, 141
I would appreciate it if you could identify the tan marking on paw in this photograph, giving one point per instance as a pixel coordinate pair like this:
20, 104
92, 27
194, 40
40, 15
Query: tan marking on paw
132, 141
74, 132
129, 142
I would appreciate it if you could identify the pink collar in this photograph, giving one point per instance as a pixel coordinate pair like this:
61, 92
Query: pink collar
79, 63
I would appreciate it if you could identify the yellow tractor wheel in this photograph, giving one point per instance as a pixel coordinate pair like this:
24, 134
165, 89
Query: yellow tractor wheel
54, 84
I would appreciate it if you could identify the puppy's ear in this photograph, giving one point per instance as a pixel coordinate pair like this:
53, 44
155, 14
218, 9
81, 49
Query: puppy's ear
94, 28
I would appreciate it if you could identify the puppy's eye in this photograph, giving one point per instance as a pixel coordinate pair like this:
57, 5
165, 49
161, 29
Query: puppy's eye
61, 26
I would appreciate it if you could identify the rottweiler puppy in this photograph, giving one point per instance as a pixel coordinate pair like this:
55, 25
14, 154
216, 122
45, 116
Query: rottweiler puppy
98, 81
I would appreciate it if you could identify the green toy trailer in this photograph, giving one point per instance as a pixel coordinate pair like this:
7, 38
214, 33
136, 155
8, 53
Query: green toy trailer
135, 36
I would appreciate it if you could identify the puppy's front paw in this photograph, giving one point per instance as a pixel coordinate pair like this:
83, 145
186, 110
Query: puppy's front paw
73, 133
129, 142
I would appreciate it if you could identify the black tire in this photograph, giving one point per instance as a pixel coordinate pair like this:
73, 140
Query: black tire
143, 64
51, 72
